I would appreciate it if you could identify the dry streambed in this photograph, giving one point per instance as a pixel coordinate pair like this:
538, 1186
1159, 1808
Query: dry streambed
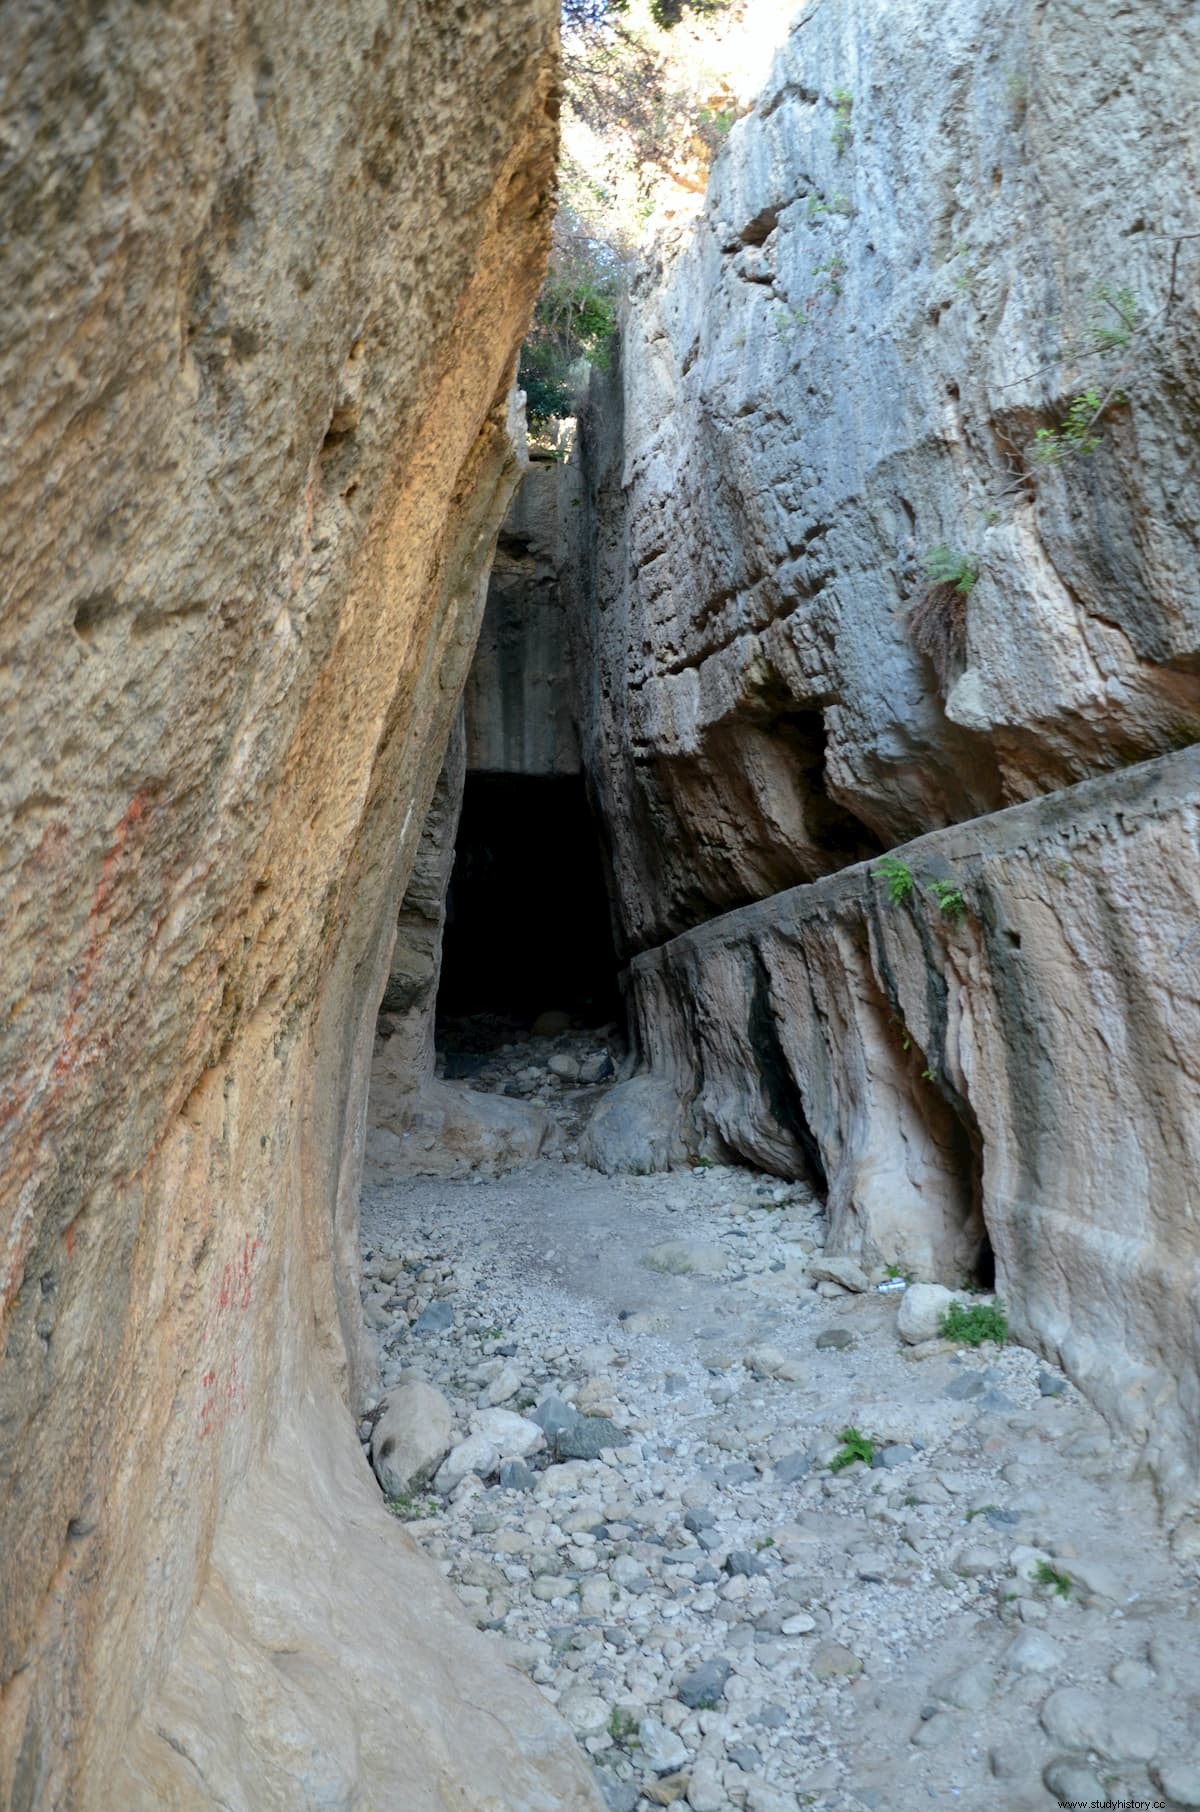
613, 1416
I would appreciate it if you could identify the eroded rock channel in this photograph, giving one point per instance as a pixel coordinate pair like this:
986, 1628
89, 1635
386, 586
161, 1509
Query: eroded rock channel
630, 935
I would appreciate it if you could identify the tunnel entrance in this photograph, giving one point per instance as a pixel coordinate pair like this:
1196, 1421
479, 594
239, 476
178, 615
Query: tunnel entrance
528, 930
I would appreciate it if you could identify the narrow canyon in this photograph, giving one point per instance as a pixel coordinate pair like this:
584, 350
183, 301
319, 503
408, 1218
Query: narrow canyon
600, 1103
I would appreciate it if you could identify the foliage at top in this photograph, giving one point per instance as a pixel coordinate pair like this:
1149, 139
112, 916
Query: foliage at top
574, 322
646, 105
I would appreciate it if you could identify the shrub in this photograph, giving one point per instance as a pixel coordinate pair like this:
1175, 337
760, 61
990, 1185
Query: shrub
1075, 437
937, 622
855, 1446
574, 322
971, 1327
1045, 1574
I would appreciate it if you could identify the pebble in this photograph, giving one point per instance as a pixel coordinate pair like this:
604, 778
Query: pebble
841, 1271
705, 1684
663, 1750
438, 1318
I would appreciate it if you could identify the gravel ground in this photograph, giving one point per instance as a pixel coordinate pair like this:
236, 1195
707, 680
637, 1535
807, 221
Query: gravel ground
986, 1615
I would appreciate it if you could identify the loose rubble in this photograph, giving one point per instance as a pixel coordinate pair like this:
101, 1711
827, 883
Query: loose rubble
638, 1389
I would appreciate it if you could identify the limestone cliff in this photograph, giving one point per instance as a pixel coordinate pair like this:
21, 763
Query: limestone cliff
938, 228
936, 316
265, 274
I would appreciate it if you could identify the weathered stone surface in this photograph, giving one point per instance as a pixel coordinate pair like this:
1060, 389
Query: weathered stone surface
841, 365
412, 1435
519, 697
1019, 1070
263, 294
636, 1128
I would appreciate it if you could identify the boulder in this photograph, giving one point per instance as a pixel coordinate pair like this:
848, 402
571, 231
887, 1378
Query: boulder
636, 1129
412, 1435
922, 1308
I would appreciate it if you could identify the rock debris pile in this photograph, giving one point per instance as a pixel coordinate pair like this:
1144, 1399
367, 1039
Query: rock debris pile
615, 1415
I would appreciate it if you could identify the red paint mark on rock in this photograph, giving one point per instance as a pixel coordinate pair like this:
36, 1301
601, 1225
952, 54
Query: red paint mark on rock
237, 1285
223, 1395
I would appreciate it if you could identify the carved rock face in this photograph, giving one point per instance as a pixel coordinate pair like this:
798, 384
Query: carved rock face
265, 289
830, 392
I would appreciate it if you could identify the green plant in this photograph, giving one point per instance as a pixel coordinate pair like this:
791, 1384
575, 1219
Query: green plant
1076, 436
901, 882
1116, 316
623, 1727
980, 1510
717, 124
898, 1271
766, 1541
843, 131
971, 1327
855, 1446
1047, 1575
408, 1508
946, 567
832, 269
949, 898
928, 1075
574, 325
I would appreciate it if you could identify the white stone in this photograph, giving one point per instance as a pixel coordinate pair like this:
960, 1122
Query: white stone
843, 1271
662, 1750
921, 1310
1032, 1652
513, 1436
412, 1436
1180, 1781
474, 1455
504, 1385
585, 1712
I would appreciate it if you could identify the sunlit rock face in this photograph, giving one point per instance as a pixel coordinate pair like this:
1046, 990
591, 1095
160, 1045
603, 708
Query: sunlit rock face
938, 229
842, 366
265, 277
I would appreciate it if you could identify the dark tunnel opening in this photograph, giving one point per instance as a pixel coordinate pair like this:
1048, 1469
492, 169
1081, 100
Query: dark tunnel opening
528, 928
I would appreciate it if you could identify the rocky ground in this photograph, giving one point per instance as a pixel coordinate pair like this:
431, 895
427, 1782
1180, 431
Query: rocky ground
624, 1454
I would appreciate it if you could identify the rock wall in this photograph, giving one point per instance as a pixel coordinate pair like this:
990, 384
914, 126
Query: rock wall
909, 258
264, 294
1022, 1072
852, 374
519, 701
